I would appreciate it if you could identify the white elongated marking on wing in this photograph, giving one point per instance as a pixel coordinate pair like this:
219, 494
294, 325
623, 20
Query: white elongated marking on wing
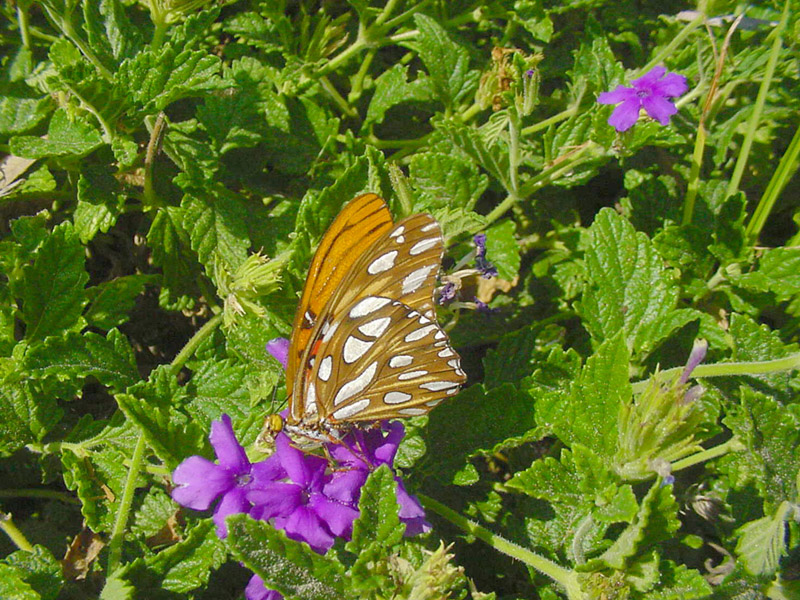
424, 320
375, 327
355, 386
422, 245
412, 412
440, 335
311, 399
331, 329
325, 368
454, 363
400, 360
420, 333
399, 231
415, 279
451, 391
437, 386
351, 409
429, 227
445, 353
411, 375
430, 313
433, 403
354, 349
396, 397
368, 305
382, 263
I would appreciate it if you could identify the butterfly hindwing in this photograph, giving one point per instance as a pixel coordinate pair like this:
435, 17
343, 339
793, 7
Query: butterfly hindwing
381, 359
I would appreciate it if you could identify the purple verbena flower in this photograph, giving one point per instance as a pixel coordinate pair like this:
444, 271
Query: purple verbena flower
363, 452
487, 269
279, 349
447, 293
480, 244
303, 507
256, 590
484, 308
651, 92
696, 356
199, 482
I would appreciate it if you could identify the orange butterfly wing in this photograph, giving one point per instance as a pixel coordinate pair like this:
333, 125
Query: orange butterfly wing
360, 223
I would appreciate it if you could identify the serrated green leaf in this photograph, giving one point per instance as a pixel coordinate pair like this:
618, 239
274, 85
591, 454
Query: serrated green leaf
154, 79
52, 290
13, 584
446, 61
153, 513
21, 109
628, 285
41, 571
66, 136
392, 88
473, 421
27, 417
763, 542
289, 567
678, 582
100, 202
77, 356
151, 405
170, 245
217, 229
378, 520
445, 181
502, 249
110, 32
111, 302
489, 154
656, 521
217, 387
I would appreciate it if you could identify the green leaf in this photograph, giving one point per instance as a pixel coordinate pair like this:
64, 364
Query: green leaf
21, 108
589, 413
445, 181
100, 202
289, 567
378, 520
40, 570
111, 302
392, 88
762, 542
170, 244
217, 387
678, 582
502, 249
476, 420
756, 342
488, 153
110, 31
151, 405
52, 291
154, 79
74, 357
656, 521
217, 229
628, 287
66, 136
26, 416
446, 61
13, 584
777, 272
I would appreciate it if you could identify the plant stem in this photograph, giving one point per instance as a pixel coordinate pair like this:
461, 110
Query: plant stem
676, 43
118, 532
732, 445
784, 172
32, 493
13, 532
787, 363
758, 109
24, 24
564, 577
193, 344
694, 175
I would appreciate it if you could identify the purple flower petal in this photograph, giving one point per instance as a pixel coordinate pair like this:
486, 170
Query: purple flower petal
385, 452
275, 500
256, 590
303, 469
267, 471
200, 482
624, 116
659, 108
234, 502
620, 94
345, 486
338, 517
304, 525
411, 511
696, 356
279, 349
649, 79
672, 86
230, 454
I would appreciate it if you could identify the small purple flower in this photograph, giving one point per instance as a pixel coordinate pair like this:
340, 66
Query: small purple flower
487, 269
696, 356
279, 349
200, 482
484, 308
256, 590
447, 293
305, 507
651, 92
362, 453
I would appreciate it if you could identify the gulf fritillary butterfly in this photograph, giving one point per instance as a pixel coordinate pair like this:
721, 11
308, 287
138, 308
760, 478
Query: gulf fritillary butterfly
365, 342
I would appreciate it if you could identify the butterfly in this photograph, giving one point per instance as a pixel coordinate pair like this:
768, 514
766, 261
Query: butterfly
366, 345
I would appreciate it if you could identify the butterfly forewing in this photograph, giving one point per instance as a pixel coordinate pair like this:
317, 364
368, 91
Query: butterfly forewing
382, 360
362, 222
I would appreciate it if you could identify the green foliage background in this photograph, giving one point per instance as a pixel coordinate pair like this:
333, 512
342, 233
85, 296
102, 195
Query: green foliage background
171, 166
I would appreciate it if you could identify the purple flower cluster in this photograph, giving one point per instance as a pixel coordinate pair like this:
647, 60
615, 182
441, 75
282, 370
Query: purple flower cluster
487, 269
298, 492
651, 92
